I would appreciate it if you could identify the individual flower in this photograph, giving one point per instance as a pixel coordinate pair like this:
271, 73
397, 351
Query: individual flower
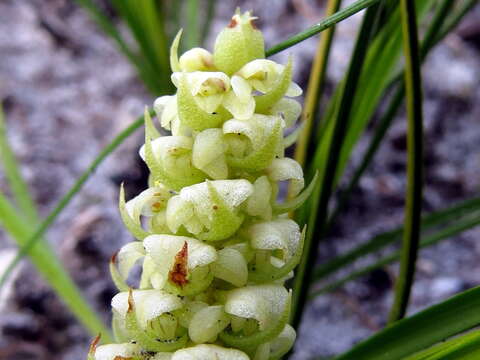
196, 59
239, 43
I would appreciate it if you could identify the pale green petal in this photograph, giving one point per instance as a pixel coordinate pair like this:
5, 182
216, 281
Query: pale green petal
196, 59
294, 90
239, 109
209, 153
259, 204
191, 114
287, 169
164, 248
209, 352
189, 310
278, 90
207, 323
241, 88
231, 267
174, 64
114, 351
149, 304
179, 212
283, 343
265, 135
128, 256
281, 234
264, 303
288, 109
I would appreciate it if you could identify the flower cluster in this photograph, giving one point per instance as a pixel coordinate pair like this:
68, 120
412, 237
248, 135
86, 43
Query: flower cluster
214, 244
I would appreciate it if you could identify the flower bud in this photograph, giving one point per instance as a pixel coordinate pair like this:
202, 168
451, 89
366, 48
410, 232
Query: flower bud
239, 43
196, 59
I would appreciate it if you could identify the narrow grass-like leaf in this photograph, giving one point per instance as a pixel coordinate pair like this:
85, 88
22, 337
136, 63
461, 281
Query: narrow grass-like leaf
144, 70
192, 34
429, 41
377, 75
40, 231
52, 270
422, 330
413, 201
211, 7
378, 242
315, 85
319, 204
428, 240
465, 347
350, 10
19, 188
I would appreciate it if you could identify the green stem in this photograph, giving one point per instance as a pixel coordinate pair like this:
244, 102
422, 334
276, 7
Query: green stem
30, 243
413, 207
192, 34
323, 191
315, 85
52, 270
12, 172
211, 7
455, 229
321, 26
430, 40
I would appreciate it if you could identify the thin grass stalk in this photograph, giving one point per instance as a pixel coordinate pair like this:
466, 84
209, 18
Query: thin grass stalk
315, 85
319, 205
40, 231
456, 17
143, 69
413, 207
453, 230
211, 7
422, 330
52, 270
357, 6
430, 40
191, 33
442, 217
15, 179
153, 21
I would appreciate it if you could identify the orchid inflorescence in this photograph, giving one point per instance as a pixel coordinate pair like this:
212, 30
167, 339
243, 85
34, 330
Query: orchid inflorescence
214, 244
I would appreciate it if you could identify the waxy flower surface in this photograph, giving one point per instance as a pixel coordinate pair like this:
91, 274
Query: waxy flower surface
213, 241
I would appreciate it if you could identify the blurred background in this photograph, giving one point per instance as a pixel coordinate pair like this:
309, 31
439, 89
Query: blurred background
67, 90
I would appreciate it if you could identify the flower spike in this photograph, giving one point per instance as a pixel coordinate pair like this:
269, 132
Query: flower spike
212, 241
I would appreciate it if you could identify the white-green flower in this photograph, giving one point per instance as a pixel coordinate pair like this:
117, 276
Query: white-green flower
263, 75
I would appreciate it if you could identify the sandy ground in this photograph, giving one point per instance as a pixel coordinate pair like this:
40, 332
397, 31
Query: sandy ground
66, 92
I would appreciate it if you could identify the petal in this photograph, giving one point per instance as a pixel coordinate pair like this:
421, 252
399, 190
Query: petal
149, 304
288, 109
209, 352
259, 204
207, 323
241, 88
231, 267
196, 59
209, 153
287, 169
174, 65
128, 256
283, 343
239, 110
282, 234
115, 351
263, 303
294, 90
164, 248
